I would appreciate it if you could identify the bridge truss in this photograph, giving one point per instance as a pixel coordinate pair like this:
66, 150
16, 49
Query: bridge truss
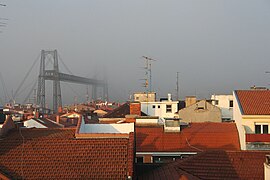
56, 76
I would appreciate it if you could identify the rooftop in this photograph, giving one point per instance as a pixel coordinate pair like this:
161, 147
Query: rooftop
254, 102
195, 138
46, 122
214, 165
56, 154
121, 112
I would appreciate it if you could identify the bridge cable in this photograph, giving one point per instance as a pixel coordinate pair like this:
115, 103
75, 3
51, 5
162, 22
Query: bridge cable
61, 60
26, 76
69, 71
4, 88
34, 85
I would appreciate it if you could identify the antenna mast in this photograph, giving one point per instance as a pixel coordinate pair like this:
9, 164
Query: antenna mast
148, 67
177, 85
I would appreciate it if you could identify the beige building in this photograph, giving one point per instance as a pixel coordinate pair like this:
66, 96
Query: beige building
201, 111
144, 96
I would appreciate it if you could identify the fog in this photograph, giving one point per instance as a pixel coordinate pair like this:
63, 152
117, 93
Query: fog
216, 46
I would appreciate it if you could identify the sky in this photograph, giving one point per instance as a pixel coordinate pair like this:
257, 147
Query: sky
217, 46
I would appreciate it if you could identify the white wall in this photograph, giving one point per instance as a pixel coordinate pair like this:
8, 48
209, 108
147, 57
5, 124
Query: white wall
148, 121
266, 171
33, 124
107, 128
147, 108
223, 104
237, 116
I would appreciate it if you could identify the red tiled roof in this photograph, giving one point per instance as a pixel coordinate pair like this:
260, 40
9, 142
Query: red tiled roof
121, 112
254, 102
257, 137
197, 137
56, 154
214, 165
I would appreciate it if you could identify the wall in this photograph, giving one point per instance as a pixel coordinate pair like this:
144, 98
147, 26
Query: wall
224, 105
267, 169
193, 113
249, 121
135, 108
33, 124
147, 108
145, 97
237, 116
107, 128
141, 120
190, 100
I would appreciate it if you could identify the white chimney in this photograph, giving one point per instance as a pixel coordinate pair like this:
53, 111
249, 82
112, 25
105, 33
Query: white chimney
169, 97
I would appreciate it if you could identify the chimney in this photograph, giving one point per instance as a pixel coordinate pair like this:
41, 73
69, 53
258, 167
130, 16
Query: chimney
36, 114
190, 100
58, 118
8, 125
60, 109
135, 108
169, 97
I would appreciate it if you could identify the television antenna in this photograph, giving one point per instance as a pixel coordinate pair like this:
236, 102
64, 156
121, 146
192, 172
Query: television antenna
148, 72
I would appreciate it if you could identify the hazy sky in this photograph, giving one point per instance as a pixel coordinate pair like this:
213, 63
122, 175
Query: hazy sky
217, 46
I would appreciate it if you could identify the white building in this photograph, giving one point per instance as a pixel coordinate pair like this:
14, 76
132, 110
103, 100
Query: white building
163, 109
225, 103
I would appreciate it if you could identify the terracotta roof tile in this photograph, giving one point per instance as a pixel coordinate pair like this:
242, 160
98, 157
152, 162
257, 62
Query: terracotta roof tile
215, 165
56, 154
121, 112
197, 137
254, 102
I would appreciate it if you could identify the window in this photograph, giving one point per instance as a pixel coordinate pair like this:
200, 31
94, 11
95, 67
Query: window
137, 98
157, 160
257, 129
139, 160
265, 129
216, 102
231, 103
168, 108
153, 106
158, 106
261, 129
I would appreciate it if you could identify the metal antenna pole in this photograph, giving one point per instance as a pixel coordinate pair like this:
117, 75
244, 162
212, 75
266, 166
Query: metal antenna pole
149, 69
177, 85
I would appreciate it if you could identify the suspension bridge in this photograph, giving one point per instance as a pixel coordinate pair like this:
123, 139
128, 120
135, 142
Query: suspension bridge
56, 77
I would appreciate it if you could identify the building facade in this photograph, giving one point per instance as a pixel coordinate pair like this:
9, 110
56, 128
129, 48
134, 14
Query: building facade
252, 116
201, 111
225, 103
166, 108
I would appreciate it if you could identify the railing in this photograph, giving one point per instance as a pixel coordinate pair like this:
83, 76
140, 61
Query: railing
257, 137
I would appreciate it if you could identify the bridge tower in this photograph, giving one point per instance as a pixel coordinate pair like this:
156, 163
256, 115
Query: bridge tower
57, 100
56, 76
